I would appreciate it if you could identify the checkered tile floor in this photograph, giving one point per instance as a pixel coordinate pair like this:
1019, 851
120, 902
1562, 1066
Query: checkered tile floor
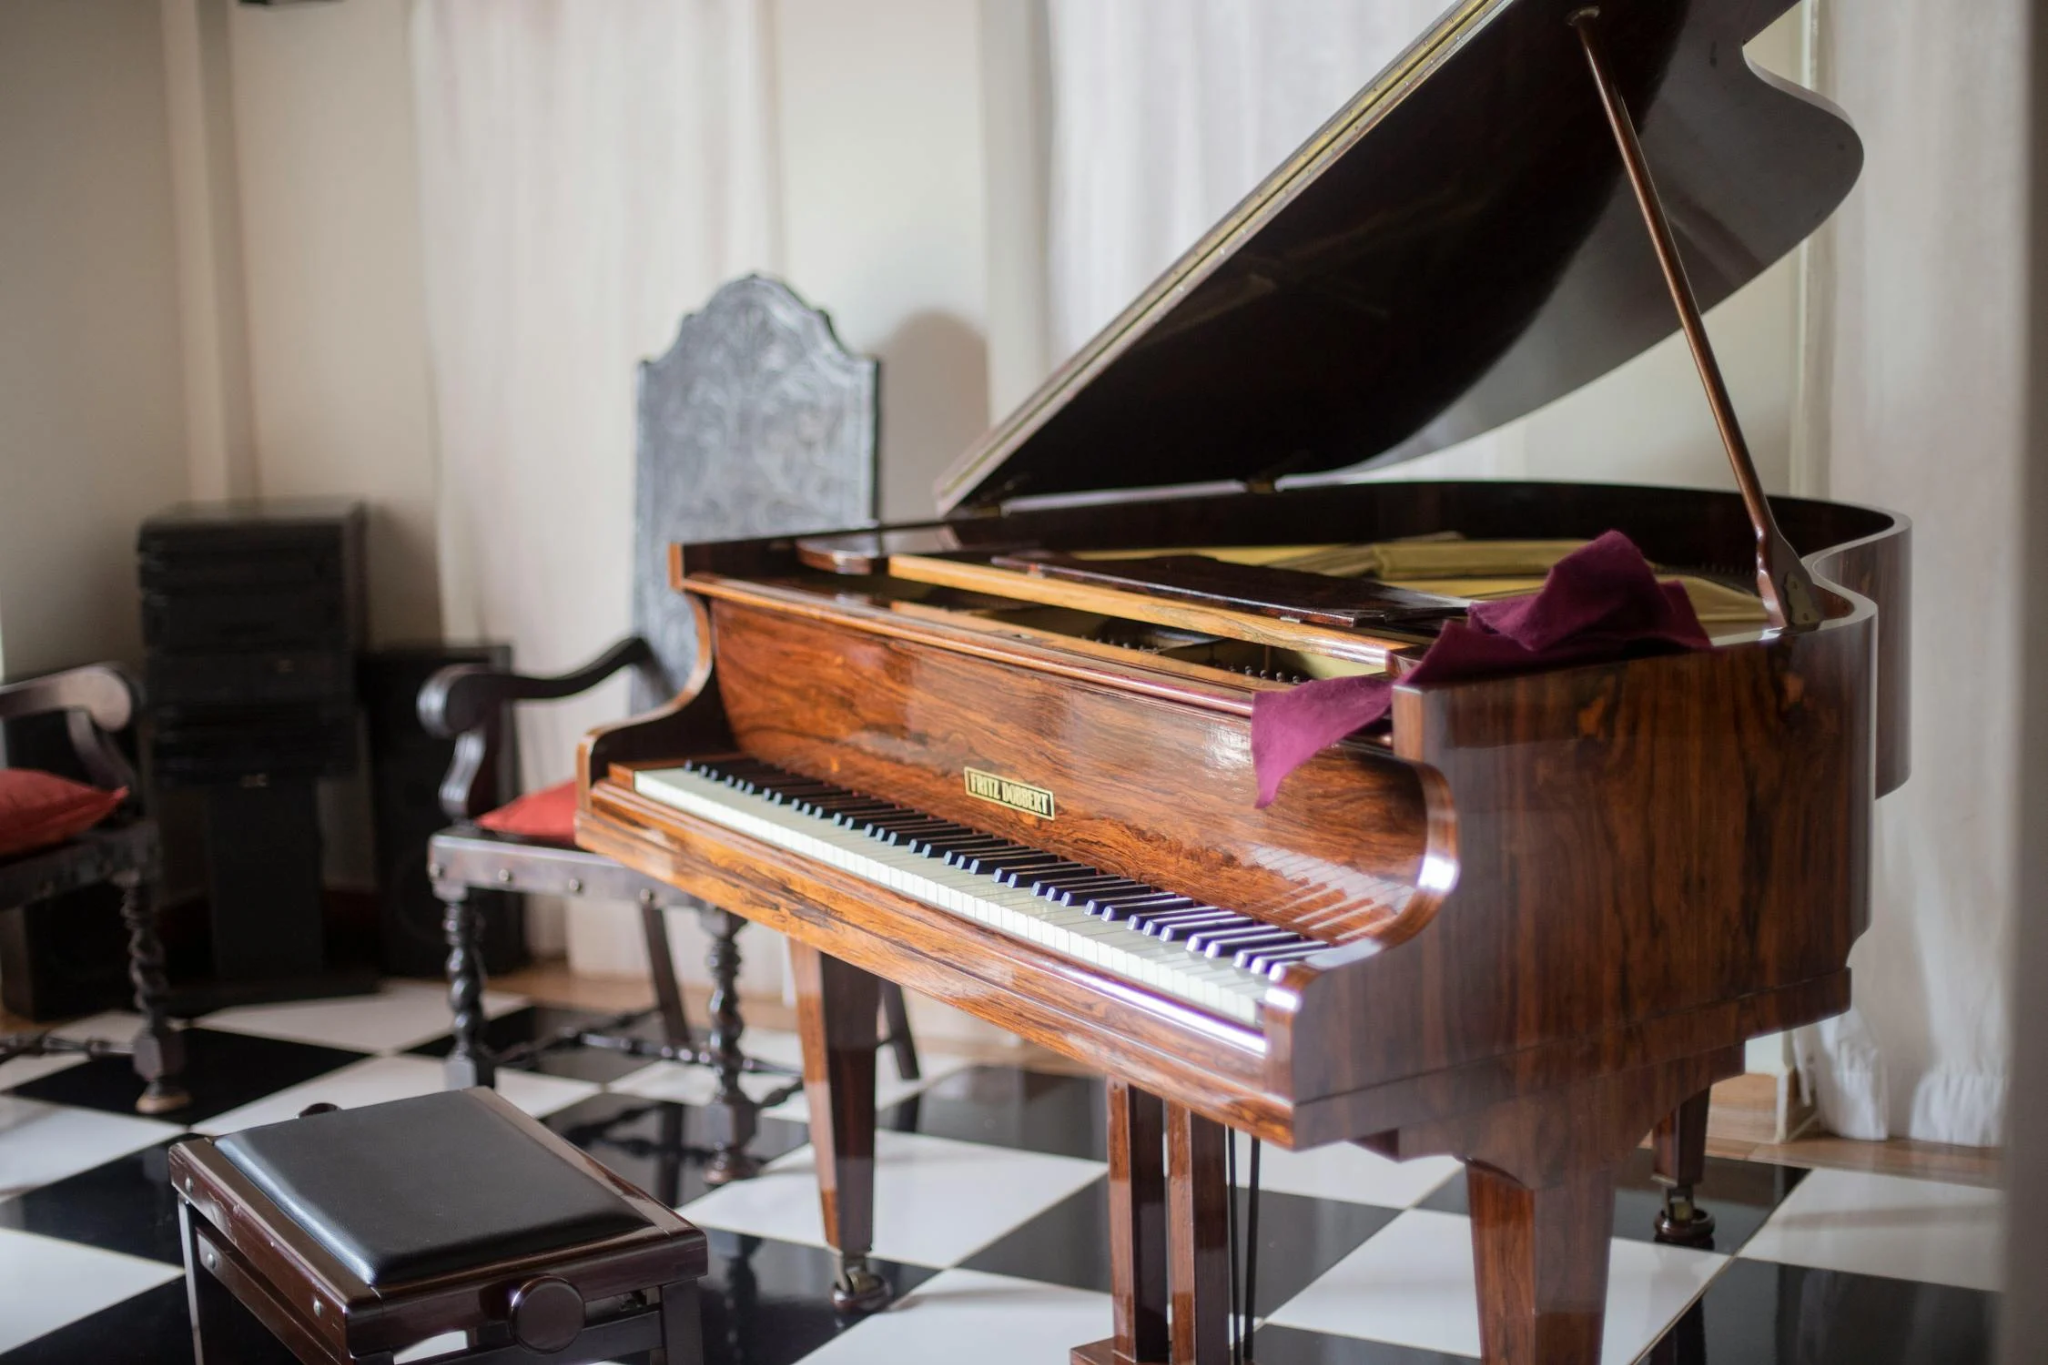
991, 1217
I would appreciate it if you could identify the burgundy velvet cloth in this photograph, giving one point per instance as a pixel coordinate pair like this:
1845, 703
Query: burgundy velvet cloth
1600, 602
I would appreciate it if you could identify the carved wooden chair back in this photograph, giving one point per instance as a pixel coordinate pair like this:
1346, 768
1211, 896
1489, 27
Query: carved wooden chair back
755, 422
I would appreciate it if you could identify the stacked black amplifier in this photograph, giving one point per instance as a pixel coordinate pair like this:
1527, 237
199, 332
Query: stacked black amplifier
252, 617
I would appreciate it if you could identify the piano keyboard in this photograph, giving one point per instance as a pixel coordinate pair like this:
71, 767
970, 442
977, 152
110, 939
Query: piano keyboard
1211, 957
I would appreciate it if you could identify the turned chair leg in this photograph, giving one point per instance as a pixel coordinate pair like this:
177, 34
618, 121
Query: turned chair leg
469, 1062
159, 1049
733, 1115
1680, 1150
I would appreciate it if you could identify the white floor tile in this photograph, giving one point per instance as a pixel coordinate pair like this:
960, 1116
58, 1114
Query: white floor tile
967, 1315
44, 1143
49, 1283
377, 1079
937, 1201
1413, 1285
115, 1026
1344, 1171
1888, 1225
400, 1015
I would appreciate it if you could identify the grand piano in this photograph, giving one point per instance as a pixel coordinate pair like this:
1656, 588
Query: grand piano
1004, 758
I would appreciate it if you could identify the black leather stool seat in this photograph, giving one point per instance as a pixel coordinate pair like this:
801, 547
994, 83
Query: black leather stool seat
355, 1235
425, 1186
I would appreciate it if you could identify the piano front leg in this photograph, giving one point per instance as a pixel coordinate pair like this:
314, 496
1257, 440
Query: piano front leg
837, 1007
1540, 1178
1541, 1257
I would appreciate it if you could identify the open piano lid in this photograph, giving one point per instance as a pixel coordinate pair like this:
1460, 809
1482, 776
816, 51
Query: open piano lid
1456, 248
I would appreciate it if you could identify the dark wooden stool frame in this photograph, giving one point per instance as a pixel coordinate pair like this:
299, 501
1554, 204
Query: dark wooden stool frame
240, 1247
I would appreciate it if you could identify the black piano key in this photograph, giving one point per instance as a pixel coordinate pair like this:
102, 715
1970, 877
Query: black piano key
1060, 879
1024, 860
1226, 942
1266, 959
1145, 919
933, 843
1020, 876
1119, 908
1175, 929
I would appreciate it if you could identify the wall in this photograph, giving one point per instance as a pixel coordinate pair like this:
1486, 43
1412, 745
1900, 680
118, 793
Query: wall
91, 415
330, 238
879, 115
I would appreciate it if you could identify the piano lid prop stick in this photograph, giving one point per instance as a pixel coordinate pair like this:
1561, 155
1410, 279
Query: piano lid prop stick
1781, 578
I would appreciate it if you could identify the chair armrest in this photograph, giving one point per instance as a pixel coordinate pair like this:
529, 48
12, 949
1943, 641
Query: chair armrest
464, 702
98, 700
463, 697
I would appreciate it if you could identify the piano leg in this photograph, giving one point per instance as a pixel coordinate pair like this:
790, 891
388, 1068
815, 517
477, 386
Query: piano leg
837, 1010
1541, 1256
1137, 1232
1198, 1259
1680, 1147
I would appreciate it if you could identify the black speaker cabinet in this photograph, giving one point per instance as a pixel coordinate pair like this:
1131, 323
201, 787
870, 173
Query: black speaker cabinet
253, 617
406, 767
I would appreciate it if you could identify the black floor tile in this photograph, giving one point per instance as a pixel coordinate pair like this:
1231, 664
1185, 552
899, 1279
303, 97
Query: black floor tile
223, 1071
1758, 1313
768, 1302
1740, 1195
153, 1328
1288, 1346
535, 1022
125, 1205
659, 1146
1299, 1239
1007, 1107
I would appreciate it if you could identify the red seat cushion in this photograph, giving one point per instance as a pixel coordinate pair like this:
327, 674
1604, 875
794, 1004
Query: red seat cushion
548, 815
38, 809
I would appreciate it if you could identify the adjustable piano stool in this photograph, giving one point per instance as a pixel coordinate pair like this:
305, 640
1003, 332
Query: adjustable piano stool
356, 1234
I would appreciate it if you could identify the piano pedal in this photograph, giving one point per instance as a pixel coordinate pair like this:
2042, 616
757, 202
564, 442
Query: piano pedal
859, 1289
1682, 1222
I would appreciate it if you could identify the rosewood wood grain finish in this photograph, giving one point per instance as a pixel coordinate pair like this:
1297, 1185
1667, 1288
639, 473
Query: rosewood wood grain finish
1198, 1245
1541, 1262
837, 1006
1145, 788
1137, 1225
1694, 827
1616, 873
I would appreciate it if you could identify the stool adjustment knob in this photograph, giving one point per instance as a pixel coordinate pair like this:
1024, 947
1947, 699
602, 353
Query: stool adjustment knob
546, 1314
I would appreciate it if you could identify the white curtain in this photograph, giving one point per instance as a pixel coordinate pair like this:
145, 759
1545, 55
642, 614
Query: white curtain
590, 172
1925, 362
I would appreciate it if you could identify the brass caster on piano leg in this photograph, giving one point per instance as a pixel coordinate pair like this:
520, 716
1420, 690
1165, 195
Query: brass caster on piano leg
161, 1097
859, 1289
727, 1165
1681, 1222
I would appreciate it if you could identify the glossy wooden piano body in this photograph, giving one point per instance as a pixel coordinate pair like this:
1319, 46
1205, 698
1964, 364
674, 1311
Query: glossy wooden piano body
1531, 919
1558, 902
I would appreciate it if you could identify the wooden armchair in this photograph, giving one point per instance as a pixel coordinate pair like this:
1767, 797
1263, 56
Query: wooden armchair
64, 836
756, 422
